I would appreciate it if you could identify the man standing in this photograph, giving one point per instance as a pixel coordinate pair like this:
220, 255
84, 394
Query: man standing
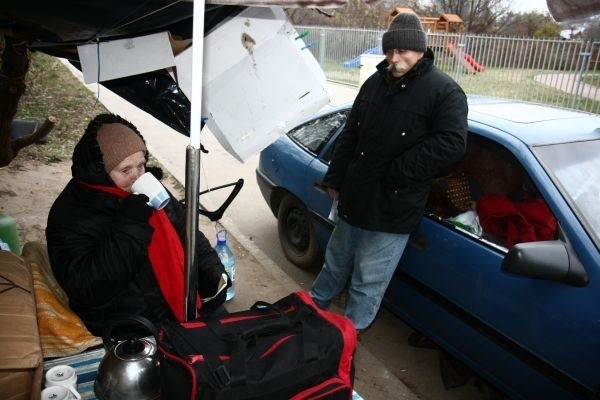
408, 122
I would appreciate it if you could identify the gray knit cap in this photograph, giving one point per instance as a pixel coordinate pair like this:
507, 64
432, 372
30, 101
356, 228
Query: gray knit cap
405, 32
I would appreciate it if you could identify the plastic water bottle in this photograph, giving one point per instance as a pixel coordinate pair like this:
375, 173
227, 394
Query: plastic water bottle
8, 234
227, 259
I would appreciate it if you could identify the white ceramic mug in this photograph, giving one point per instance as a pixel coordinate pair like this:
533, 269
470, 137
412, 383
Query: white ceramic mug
150, 186
61, 376
60, 393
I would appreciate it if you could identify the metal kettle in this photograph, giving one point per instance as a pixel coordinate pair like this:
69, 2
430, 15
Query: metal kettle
130, 367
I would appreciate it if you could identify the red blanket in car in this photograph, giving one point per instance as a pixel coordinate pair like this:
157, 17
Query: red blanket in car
527, 220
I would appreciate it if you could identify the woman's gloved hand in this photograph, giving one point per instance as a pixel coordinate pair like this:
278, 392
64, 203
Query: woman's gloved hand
136, 206
215, 303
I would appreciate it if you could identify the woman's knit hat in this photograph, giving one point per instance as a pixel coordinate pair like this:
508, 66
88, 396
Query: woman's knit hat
117, 142
405, 32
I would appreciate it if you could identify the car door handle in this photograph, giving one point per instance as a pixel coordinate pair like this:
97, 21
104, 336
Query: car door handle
418, 241
320, 187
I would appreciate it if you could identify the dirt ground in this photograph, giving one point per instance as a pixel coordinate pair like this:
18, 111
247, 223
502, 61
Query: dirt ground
27, 190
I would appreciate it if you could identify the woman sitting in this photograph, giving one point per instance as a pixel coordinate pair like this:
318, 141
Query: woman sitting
111, 252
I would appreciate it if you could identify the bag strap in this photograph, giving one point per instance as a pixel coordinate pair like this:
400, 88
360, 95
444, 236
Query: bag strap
219, 372
170, 328
311, 360
279, 321
239, 341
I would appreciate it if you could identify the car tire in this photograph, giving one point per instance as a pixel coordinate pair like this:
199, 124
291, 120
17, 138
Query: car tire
296, 234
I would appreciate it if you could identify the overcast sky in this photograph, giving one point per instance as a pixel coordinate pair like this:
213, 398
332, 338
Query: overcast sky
530, 5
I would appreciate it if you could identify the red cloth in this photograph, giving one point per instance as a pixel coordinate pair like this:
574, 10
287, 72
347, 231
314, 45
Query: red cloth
536, 211
529, 220
166, 255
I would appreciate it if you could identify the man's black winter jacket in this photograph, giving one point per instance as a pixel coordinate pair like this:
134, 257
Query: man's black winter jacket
399, 135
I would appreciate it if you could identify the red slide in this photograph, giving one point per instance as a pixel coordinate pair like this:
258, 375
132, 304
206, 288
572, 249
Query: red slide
478, 67
468, 61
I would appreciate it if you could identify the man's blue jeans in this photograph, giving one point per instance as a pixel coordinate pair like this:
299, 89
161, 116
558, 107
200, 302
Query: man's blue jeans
368, 259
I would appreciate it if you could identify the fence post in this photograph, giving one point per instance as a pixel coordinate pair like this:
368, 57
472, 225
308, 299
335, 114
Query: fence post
586, 56
322, 45
459, 56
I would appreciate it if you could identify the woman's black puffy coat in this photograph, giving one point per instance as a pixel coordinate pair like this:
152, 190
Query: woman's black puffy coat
100, 256
398, 136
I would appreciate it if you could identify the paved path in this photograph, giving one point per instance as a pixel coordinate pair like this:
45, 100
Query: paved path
569, 83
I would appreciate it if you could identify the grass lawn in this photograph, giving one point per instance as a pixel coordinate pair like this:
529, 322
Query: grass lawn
592, 79
53, 91
522, 84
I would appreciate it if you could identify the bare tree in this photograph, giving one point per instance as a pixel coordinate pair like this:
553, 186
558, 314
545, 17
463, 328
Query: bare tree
592, 29
14, 67
530, 24
355, 14
479, 16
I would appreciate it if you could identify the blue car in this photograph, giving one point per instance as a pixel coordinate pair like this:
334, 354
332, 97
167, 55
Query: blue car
503, 272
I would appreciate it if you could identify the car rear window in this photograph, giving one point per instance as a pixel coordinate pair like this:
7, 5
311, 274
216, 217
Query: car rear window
314, 134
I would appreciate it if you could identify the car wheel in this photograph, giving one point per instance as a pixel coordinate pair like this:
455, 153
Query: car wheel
296, 234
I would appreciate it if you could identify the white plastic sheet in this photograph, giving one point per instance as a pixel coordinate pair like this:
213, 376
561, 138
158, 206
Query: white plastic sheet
259, 80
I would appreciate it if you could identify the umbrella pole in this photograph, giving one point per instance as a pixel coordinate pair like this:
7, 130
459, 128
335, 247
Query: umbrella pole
192, 183
192, 177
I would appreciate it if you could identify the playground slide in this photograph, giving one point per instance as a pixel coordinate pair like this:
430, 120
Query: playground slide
467, 60
355, 62
478, 67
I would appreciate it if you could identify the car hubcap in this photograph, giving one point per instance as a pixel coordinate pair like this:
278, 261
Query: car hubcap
297, 229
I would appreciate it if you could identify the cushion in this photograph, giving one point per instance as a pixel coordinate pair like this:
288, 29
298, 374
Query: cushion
62, 332
20, 353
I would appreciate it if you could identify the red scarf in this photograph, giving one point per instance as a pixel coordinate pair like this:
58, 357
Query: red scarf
165, 253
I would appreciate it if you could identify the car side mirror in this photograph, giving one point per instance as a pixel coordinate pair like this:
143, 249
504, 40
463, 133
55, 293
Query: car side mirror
551, 260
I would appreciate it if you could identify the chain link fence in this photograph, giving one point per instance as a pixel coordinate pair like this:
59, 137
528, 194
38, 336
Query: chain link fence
564, 73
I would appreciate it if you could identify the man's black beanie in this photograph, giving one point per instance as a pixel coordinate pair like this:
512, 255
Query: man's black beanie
406, 33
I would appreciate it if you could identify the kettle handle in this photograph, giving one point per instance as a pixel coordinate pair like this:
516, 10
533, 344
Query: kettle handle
107, 339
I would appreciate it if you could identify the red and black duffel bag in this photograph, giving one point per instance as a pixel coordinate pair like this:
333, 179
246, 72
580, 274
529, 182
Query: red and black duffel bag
287, 350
